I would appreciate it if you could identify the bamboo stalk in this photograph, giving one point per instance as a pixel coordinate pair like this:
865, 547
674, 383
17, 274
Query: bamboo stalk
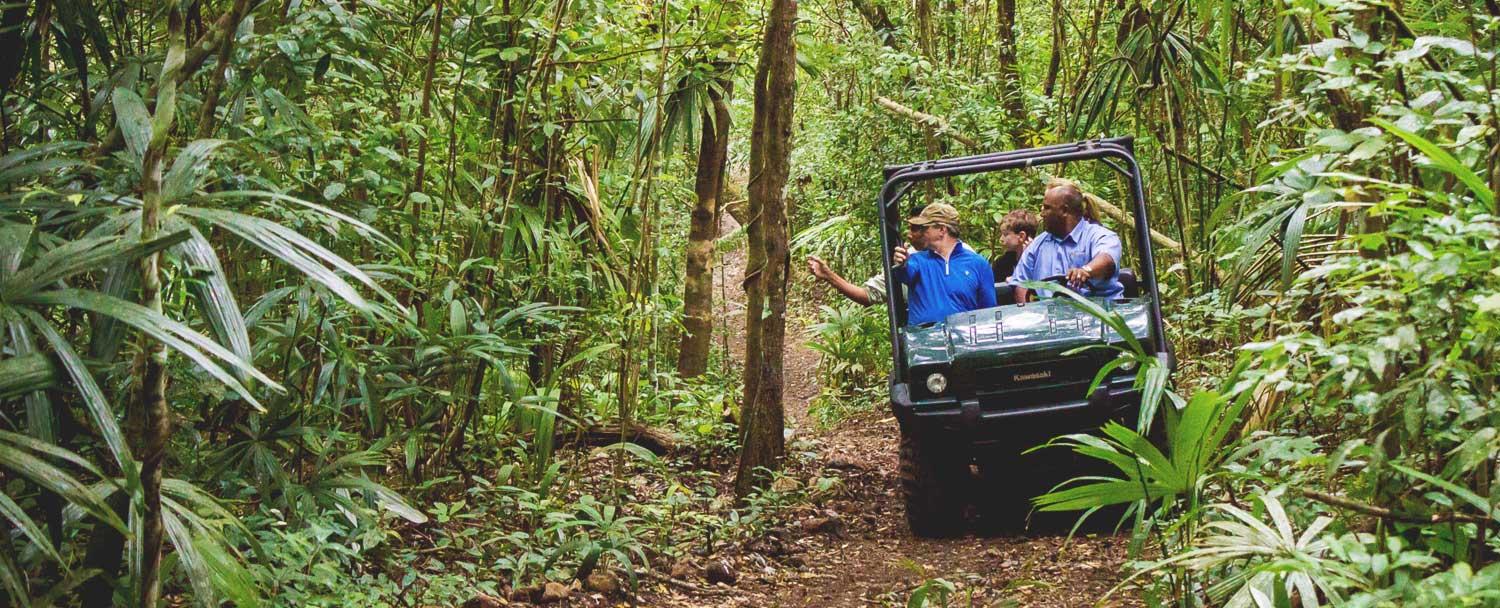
1384, 513
155, 426
938, 126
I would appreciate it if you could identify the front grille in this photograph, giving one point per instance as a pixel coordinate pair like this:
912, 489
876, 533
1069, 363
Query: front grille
1021, 375
1027, 384
1042, 395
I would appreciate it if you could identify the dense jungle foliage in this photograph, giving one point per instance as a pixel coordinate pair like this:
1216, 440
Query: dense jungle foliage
314, 302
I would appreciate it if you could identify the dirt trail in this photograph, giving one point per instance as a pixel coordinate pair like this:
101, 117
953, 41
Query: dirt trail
855, 550
800, 361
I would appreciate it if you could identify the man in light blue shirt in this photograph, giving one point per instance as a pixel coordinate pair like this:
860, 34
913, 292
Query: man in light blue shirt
1072, 246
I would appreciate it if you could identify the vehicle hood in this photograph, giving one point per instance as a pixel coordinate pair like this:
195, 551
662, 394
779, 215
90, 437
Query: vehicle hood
1008, 334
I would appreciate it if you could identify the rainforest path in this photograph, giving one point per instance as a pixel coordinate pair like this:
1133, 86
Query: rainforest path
856, 550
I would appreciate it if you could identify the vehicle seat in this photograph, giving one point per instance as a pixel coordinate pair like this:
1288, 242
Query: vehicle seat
1005, 293
1132, 287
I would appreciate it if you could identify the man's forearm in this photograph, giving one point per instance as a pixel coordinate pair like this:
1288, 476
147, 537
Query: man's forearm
1100, 267
854, 292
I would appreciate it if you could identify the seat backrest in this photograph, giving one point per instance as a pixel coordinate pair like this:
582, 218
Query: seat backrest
1128, 280
1005, 293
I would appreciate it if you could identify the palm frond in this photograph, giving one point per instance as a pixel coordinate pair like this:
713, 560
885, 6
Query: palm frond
175, 335
100, 411
211, 290
25, 457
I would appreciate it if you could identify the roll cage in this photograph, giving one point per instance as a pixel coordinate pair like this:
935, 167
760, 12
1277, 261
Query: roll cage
1118, 153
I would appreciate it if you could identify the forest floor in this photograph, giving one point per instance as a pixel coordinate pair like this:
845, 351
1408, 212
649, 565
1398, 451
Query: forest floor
855, 549
848, 544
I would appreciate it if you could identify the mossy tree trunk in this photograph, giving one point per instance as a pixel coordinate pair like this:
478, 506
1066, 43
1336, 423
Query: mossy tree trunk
698, 280
762, 443
154, 427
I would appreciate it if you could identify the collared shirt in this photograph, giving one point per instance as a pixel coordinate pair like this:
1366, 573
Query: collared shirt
1005, 265
875, 288
1049, 256
939, 287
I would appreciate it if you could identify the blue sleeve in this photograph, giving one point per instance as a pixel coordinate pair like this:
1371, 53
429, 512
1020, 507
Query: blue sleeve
1026, 266
1106, 241
986, 283
904, 273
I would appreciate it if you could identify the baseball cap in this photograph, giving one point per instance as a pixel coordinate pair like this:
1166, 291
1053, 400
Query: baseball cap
936, 213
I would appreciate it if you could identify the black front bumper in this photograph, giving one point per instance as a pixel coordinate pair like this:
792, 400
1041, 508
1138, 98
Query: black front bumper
967, 422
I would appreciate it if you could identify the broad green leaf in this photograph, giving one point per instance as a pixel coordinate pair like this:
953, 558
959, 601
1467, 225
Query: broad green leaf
41, 418
80, 256
16, 456
29, 170
381, 495
175, 335
14, 238
360, 227
230, 577
1441, 159
1291, 241
202, 502
212, 291
458, 323
98, 405
17, 516
15, 159
1155, 388
296, 250
634, 449
1484, 506
134, 121
187, 169
196, 571
23, 374
14, 580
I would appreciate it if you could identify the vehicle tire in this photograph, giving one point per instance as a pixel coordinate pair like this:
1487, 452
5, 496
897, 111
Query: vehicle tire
932, 487
1003, 494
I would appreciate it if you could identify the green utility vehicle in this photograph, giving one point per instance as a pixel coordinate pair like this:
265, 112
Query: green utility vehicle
985, 385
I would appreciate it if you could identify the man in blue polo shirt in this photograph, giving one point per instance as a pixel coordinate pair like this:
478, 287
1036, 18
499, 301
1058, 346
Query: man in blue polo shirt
945, 278
1071, 245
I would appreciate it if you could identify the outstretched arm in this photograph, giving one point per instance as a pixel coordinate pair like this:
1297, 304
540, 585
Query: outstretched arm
855, 293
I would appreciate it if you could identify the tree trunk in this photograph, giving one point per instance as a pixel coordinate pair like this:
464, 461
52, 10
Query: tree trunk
418, 184
1059, 42
12, 21
216, 81
155, 427
761, 431
1010, 72
698, 282
924, 27
878, 20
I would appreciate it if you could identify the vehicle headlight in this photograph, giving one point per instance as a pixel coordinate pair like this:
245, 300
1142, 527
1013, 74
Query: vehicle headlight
1129, 361
937, 383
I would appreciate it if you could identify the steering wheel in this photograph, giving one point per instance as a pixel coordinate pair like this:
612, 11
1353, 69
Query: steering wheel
1057, 278
1061, 280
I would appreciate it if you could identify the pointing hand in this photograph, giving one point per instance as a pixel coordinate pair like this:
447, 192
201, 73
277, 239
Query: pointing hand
818, 267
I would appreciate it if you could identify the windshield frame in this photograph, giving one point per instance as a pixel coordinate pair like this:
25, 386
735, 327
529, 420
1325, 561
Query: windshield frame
1118, 153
